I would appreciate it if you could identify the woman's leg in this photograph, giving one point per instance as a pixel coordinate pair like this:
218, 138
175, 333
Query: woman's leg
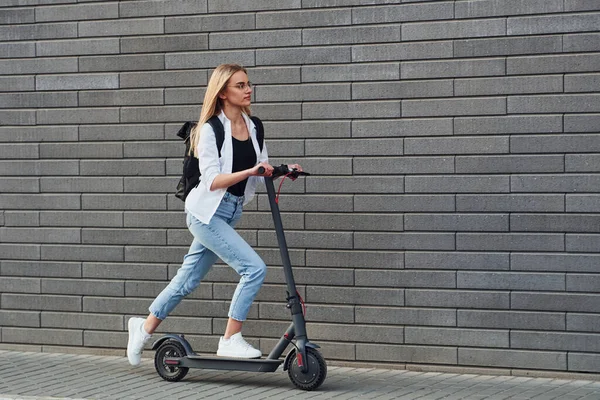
228, 245
233, 327
151, 323
216, 239
196, 264
222, 239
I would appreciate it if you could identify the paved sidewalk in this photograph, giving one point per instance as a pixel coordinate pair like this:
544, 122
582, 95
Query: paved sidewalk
28, 375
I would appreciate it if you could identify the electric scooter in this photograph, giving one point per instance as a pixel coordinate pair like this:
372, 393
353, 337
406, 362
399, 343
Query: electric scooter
305, 365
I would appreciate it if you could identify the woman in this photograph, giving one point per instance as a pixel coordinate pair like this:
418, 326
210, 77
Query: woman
213, 208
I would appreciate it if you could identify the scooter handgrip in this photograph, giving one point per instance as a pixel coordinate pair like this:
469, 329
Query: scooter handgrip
261, 170
280, 170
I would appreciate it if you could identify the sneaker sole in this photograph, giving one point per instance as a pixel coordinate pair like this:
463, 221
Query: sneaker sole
238, 357
129, 342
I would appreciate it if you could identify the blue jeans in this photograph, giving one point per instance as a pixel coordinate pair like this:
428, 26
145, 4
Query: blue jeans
218, 239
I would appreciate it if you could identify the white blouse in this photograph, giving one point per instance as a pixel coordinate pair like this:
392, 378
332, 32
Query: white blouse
201, 201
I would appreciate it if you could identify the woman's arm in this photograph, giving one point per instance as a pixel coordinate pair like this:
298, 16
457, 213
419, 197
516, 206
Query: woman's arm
208, 160
223, 181
208, 155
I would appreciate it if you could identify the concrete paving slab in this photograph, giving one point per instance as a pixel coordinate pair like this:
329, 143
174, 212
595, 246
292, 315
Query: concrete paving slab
50, 376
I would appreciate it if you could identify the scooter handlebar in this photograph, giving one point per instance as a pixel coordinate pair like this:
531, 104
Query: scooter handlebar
283, 170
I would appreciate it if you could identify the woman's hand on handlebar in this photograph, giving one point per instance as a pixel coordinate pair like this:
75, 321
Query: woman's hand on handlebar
295, 166
262, 169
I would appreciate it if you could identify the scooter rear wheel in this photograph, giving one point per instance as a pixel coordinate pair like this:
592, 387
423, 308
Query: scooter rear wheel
170, 349
317, 370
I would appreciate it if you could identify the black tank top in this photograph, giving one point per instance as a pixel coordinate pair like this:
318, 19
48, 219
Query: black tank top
244, 157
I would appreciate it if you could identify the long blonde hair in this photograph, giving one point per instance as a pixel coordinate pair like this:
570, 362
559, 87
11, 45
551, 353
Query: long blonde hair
213, 104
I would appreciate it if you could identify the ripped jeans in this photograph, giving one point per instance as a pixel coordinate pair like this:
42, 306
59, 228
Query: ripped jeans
218, 239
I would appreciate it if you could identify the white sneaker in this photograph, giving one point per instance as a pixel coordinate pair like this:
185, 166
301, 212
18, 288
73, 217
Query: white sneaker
237, 347
137, 340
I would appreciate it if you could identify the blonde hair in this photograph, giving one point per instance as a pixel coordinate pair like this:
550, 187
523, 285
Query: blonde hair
213, 104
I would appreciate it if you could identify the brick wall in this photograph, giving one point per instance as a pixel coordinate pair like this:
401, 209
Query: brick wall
452, 220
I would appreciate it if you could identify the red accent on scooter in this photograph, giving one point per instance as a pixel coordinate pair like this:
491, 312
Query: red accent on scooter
302, 302
299, 358
172, 362
281, 183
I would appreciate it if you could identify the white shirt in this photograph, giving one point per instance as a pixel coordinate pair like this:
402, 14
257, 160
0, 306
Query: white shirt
201, 202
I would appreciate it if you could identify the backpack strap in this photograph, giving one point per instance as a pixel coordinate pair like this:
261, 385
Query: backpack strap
217, 127
260, 131
219, 130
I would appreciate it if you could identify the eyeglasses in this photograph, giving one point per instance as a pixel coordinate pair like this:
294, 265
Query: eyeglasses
242, 85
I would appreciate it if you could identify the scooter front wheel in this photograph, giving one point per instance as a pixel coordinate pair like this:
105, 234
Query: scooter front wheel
317, 370
169, 372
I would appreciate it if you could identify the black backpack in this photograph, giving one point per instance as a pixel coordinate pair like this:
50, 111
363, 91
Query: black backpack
191, 170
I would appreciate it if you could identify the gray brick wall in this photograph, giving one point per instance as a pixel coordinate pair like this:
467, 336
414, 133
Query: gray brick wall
453, 217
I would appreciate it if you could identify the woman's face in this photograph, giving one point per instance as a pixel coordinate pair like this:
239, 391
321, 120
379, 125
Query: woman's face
238, 90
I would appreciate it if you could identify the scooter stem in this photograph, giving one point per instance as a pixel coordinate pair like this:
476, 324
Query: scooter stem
285, 256
298, 322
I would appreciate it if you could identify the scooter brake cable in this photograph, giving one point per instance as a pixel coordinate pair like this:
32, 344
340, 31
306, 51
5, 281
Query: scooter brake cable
281, 183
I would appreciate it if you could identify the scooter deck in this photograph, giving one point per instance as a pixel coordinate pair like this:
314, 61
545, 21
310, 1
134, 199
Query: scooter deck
226, 363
